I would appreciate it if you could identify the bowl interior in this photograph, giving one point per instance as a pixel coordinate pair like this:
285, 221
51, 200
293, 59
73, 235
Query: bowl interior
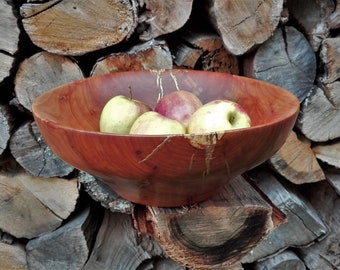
78, 105
164, 170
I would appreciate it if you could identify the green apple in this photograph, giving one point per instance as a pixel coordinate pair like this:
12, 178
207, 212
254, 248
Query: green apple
218, 115
119, 113
153, 123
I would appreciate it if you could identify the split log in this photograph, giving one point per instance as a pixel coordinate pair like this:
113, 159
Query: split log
41, 72
118, 247
304, 226
244, 24
296, 161
334, 18
13, 256
7, 125
213, 234
102, 193
157, 18
333, 177
42, 204
328, 152
68, 247
153, 54
324, 254
9, 41
292, 62
31, 151
330, 56
74, 28
319, 118
204, 50
312, 17
283, 261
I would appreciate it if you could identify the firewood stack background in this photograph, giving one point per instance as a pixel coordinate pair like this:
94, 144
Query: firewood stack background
284, 214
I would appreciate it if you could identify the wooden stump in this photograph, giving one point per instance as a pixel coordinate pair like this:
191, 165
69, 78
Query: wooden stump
244, 24
69, 245
153, 54
292, 62
78, 27
160, 17
319, 117
41, 72
303, 225
42, 204
296, 161
31, 152
313, 17
212, 234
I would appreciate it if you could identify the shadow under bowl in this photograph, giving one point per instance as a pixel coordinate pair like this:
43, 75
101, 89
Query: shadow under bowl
171, 170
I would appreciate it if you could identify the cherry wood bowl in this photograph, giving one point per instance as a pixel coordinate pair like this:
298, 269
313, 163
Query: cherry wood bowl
171, 170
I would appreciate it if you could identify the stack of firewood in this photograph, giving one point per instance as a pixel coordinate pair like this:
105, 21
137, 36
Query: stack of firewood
283, 214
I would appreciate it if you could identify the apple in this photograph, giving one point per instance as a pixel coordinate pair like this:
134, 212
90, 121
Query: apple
119, 113
178, 105
218, 115
153, 123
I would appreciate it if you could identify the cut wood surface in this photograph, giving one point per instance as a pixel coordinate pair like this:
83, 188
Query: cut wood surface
42, 72
313, 18
69, 245
334, 18
296, 161
330, 56
292, 62
197, 49
244, 24
77, 27
304, 226
9, 29
154, 54
118, 246
328, 153
160, 17
42, 204
324, 254
12, 256
235, 221
319, 118
29, 149
283, 261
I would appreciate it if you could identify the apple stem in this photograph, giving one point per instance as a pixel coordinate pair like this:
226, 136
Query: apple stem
130, 91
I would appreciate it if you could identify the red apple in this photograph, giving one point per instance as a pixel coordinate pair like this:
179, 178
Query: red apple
153, 123
178, 105
218, 115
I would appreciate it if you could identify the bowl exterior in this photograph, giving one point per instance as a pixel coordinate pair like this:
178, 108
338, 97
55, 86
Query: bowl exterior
162, 170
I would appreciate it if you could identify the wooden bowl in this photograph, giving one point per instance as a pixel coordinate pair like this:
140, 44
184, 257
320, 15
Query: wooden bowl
169, 170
